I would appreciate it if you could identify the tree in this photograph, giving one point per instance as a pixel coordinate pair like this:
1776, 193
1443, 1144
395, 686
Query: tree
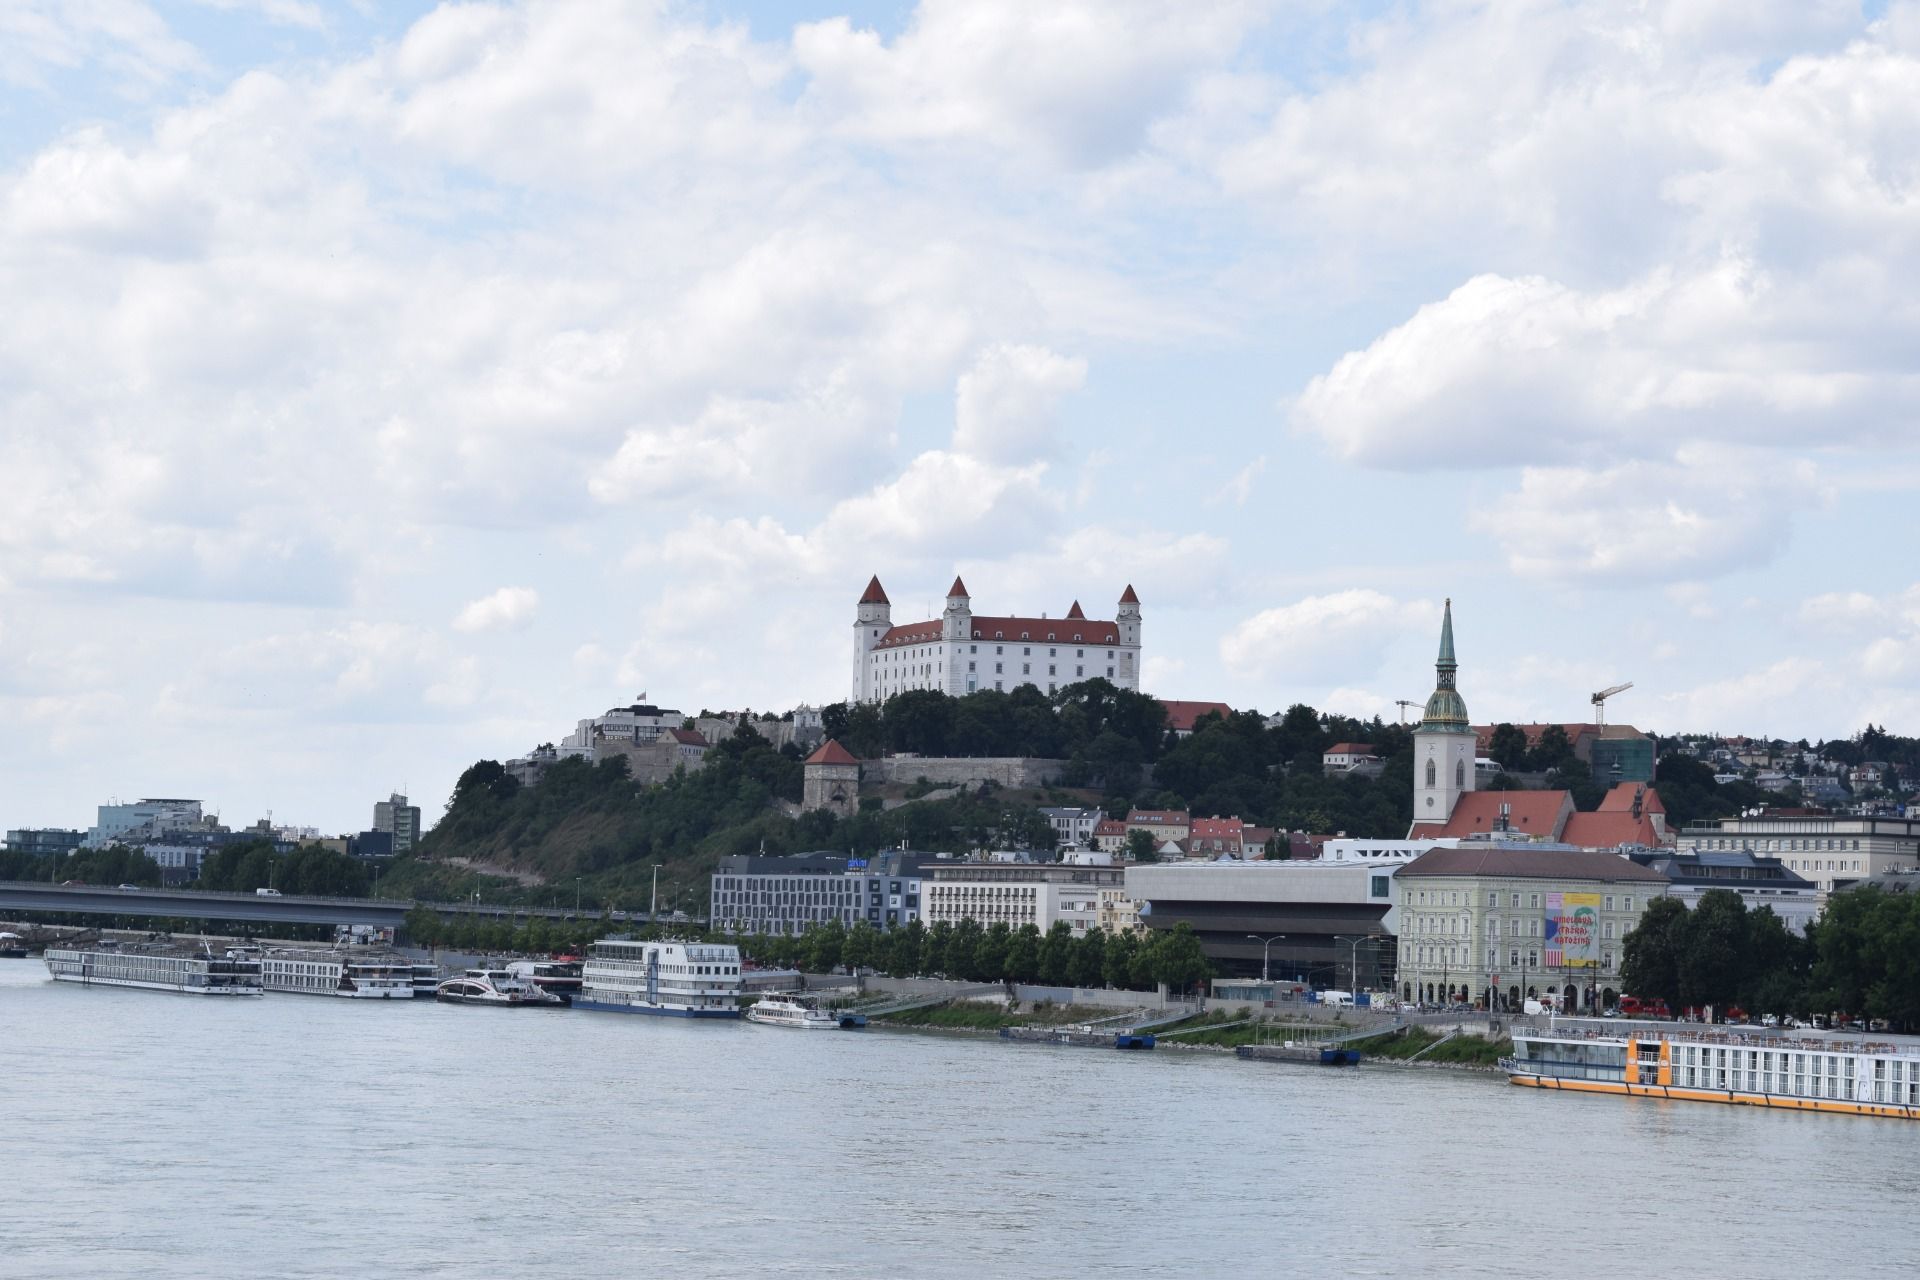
1089, 958
990, 953
863, 946
1555, 749
1023, 955
1508, 746
1116, 966
1651, 955
1056, 955
1140, 846
1178, 959
1713, 961
826, 944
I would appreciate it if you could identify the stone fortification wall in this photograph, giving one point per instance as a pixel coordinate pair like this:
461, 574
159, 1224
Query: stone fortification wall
1007, 771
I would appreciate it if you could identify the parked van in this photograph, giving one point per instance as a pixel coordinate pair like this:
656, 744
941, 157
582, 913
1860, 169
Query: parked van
268, 893
1338, 999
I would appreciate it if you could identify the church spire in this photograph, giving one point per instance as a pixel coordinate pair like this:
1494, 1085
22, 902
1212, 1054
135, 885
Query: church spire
1446, 711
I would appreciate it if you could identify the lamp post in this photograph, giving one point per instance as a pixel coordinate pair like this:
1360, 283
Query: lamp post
1264, 944
576, 895
1353, 941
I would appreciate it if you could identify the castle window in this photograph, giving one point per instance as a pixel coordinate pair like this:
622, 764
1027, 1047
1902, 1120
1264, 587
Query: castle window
1026, 668
1432, 773
1027, 652
999, 635
1051, 653
1079, 653
1460, 774
1049, 635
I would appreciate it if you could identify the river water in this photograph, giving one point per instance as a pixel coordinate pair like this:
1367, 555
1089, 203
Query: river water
172, 1136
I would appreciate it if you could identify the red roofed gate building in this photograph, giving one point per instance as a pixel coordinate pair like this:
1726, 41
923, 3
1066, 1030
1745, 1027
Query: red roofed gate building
830, 780
962, 652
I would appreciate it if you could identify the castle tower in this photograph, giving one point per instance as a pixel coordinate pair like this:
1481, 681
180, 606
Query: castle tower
830, 780
957, 621
1127, 618
872, 619
1443, 743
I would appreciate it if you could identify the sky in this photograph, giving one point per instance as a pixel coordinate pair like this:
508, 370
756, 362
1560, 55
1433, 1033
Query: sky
388, 386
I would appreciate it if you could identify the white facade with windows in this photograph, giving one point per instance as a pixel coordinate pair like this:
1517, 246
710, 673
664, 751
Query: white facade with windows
1016, 895
962, 652
1826, 849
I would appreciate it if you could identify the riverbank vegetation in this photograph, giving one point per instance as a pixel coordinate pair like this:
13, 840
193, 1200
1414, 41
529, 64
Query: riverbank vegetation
1858, 959
1461, 1050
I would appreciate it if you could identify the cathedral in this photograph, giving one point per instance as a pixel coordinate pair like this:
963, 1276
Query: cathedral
961, 652
1443, 745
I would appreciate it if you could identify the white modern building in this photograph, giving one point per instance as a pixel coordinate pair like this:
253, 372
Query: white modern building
1073, 824
640, 723
1826, 848
117, 821
1016, 894
962, 652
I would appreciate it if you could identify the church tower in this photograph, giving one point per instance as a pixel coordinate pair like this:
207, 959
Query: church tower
871, 620
1443, 744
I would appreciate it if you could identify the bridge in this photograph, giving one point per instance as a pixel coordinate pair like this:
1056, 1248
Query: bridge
196, 904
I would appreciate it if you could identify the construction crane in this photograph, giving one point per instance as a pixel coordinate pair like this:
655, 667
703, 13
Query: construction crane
1403, 704
1599, 699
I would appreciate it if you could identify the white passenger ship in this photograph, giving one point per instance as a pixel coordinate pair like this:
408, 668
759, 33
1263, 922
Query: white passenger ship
157, 966
793, 1011
1754, 1069
675, 979
353, 973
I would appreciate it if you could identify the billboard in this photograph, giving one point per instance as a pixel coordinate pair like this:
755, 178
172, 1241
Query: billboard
1573, 931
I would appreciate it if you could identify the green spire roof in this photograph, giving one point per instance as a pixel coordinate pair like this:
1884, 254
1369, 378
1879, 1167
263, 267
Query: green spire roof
1446, 710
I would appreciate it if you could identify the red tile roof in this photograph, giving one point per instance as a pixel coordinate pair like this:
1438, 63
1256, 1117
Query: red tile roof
1182, 716
1157, 817
1539, 814
1609, 830
1109, 827
831, 752
909, 633
1045, 630
1620, 798
689, 738
959, 588
874, 594
1216, 829
1552, 864
1127, 597
1076, 613
1348, 749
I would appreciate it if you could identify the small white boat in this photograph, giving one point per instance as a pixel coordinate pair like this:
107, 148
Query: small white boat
495, 987
793, 1011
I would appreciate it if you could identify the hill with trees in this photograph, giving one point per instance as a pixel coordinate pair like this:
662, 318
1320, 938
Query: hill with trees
594, 825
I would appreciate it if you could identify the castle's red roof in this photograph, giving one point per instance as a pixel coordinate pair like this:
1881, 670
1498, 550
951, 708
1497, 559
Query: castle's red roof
959, 588
1075, 611
874, 594
1045, 630
831, 752
1129, 597
909, 633
689, 738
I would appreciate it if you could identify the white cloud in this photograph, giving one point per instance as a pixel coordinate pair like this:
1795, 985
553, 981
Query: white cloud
1344, 633
1074, 83
1004, 405
1709, 512
507, 609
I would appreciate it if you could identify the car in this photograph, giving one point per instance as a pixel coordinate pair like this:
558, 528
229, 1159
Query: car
131, 887
1771, 1020
267, 893
1610, 1013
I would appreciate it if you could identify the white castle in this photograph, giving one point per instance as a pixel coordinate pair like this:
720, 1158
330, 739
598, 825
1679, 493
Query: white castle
961, 652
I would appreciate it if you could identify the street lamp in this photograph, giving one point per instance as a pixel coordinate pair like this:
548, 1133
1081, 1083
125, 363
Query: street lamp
1353, 941
1264, 944
576, 895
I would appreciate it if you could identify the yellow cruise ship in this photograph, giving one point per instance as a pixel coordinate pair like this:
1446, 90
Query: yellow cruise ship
1751, 1068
